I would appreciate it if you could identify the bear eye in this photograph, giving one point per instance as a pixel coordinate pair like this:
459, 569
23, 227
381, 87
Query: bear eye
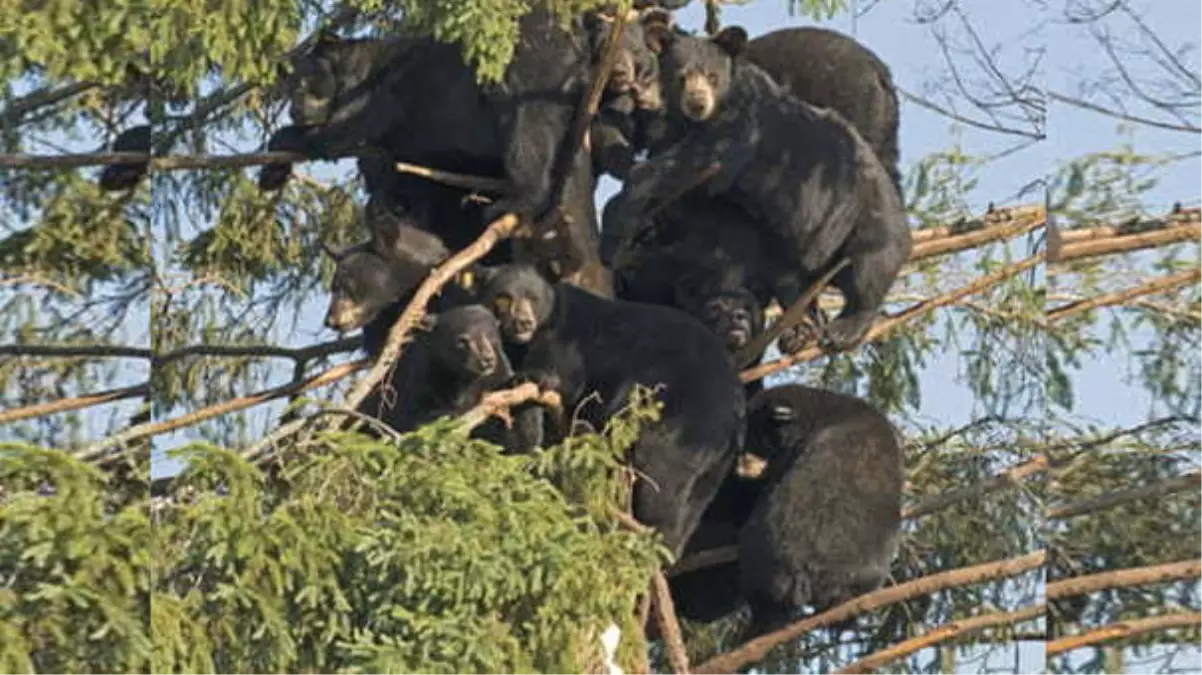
463, 343
713, 78
502, 303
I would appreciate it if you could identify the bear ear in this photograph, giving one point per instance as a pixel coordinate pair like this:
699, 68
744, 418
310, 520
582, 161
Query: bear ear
732, 40
657, 29
783, 414
481, 275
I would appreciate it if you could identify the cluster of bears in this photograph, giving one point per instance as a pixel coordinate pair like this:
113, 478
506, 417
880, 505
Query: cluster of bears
750, 169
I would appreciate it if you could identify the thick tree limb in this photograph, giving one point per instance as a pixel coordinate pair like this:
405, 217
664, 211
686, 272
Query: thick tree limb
1124, 578
119, 351
1179, 216
76, 351
75, 403
41, 98
1161, 285
940, 634
1122, 629
1158, 489
758, 648
168, 163
883, 326
155, 428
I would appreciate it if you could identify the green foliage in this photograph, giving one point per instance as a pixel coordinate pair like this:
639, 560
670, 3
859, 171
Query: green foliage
76, 568
440, 555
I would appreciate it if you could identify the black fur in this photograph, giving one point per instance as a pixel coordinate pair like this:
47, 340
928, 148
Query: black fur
580, 345
827, 526
116, 177
826, 68
802, 173
446, 371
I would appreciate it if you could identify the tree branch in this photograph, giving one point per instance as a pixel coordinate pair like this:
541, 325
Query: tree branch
459, 180
155, 428
669, 626
940, 634
40, 98
76, 403
1122, 629
758, 648
1157, 489
883, 326
76, 351
498, 403
1131, 242
1013, 476
1161, 285
1179, 216
1124, 578
1014, 222
970, 122
1093, 107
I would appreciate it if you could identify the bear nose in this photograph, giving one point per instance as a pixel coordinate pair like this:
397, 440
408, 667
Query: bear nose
524, 325
330, 322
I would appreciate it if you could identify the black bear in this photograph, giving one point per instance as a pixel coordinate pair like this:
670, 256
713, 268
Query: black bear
805, 174
352, 93
454, 360
814, 507
116, 177
583, 346
828, 523
828, 69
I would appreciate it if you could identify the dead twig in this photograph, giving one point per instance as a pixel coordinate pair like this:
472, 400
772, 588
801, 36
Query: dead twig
793, 316
459, 180
498, 404
669, 626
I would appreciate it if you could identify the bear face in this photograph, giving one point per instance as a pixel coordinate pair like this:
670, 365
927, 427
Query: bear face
734, 315
696, 75
521, 299
365, 283
465, 340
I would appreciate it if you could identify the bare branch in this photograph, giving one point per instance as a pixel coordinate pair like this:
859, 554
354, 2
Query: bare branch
76, 403
1179, 216
76, 351
39, 99
1158, 489
965, 120
758, 648
497, 403
1093, 107
1128, 243
1122, 629
1124, 578
943, 633
1161, 285
459, 180
155, 428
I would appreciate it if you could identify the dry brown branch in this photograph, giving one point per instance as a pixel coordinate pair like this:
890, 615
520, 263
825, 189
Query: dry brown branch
796, 313
75, 403
498, 403
758, 648
940, 634
1160, 285
459, 180
1128, 243
883, 326
1135, 226
1124, 578
1121, 629
1013, 476
1158, 489
1014, 222
224, 408
669, 626
439, 276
